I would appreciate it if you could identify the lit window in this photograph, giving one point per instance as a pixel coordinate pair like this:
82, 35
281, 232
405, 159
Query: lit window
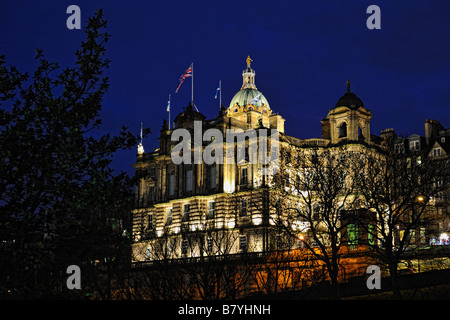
414, 145
186, 212
244, 176
243, 212
168, 216
371, 236
150, 221
436, 152
352, 237
243, 243
211, 207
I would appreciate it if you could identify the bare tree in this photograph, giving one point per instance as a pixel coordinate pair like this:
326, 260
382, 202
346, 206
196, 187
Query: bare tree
399, 190
314, 187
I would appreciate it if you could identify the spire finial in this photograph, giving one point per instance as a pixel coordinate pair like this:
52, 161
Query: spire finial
140, 145
249, 61
348, 85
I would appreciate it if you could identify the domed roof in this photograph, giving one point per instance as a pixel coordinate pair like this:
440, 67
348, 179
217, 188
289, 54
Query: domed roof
350, 100
189, 115
247, 96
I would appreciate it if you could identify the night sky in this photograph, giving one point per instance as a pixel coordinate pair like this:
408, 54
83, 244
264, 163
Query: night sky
303, 52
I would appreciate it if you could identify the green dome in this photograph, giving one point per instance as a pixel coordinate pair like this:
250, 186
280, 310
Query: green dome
245, 96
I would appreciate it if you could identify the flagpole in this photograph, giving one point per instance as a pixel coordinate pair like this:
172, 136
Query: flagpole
220, 96
169, 111
192, 89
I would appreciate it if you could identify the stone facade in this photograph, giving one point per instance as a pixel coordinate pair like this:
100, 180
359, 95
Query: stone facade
193, 209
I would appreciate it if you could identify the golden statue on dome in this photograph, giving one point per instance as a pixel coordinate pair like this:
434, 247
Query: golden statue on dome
249, 61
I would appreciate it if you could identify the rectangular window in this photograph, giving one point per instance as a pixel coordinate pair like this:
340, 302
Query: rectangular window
243, 243
189, 180
212, 177
171, 185
243, 212
184, 247
316, 212
371, 236
186, 212
150, 221
244, 176
439, 196
419, 160
211, 207
414, 145
209, 245
169, 216
422, 237
151, 194
278, 207
352, 237
436, 152
152, 172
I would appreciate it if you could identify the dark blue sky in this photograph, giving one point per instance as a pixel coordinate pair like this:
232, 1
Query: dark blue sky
303, 53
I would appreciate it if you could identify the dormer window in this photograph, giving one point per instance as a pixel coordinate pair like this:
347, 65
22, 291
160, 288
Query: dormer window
399, 148
414, 145
437, 152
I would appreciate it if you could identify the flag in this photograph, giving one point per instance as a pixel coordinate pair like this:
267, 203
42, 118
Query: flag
218, 89
187, 73
256, 99
168, 105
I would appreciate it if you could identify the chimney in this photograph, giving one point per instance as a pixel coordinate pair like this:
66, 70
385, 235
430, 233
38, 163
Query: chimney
432, 128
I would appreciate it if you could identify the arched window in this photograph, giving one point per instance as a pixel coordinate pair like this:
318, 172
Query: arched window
343, 130
360, 134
